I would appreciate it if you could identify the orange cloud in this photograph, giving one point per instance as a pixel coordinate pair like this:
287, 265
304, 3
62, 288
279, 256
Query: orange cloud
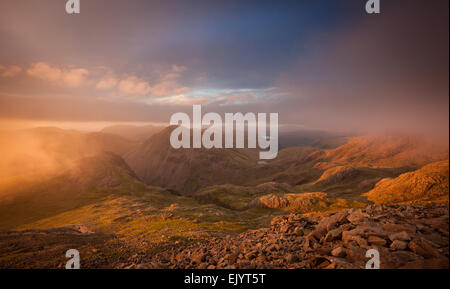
134, 86
71, 77
10, 71
108, 82
166, 85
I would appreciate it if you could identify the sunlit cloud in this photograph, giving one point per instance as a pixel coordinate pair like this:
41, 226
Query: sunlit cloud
107, 82
10, 71
165, 85
71, 77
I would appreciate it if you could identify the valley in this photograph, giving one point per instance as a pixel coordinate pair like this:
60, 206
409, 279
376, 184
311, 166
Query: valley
130, 202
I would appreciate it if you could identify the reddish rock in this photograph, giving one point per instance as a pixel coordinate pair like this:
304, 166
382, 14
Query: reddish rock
356, 217
291, 258
331, 222
435, 263
390, 227
339, 252
401, 236
423, 248
399, 245
356, 254
374, 240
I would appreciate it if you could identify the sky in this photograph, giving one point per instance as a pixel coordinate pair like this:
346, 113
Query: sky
319, 64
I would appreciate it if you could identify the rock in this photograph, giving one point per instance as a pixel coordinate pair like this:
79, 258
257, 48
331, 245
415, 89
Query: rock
242, 264
198, 258
423, 248
260, 259
319, 262
349, 237
277, 220
399, 245
339, 252
331, 222
179, 257
232, 258
318, 233
154, 265
273, 247
309, 243
374, 240
334, 234
399, 258
298, 231
415, 237
361, 242
251, 255
435, 263
291, 258
324, 250
401, 236
356, 254
364, 230
390, 227
356, 217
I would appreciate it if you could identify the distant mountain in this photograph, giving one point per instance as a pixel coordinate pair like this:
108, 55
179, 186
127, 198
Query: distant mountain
76, 142
383, 151
48, 150
358, 163
356, 166
430, 183
88, 180
132, 132
187, 170
293, 137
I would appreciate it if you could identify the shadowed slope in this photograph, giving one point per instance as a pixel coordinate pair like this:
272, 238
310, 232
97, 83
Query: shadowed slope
187, 170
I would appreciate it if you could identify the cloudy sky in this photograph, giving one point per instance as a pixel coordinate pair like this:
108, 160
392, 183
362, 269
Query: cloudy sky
319, 64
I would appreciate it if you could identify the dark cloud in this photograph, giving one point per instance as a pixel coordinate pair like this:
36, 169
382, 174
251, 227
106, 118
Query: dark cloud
389, 72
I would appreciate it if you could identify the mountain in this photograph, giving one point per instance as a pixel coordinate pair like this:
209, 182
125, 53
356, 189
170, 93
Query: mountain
44, 151
88, 180
76, 143
293, 137
357, 164
187, 170
383, 151
107, 206
132, 132
430, 183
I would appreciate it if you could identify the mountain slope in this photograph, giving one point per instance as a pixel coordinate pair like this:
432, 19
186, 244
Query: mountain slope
428, 184
86, 181
383, 151
134, 133
187, 170
44, 151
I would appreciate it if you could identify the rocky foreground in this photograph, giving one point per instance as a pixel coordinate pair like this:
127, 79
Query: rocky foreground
408, 236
